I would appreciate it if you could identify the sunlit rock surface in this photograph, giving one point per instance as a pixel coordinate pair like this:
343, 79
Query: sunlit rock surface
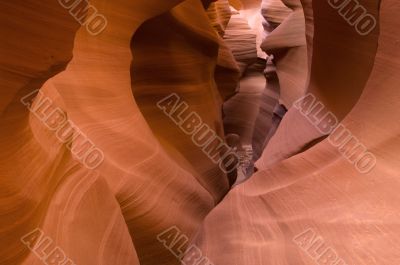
144, 186
239, 65
318, 193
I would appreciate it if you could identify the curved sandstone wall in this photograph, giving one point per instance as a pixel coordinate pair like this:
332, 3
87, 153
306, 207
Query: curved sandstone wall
100, 102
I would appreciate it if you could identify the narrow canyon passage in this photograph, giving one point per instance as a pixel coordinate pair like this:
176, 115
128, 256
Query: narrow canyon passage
199, 132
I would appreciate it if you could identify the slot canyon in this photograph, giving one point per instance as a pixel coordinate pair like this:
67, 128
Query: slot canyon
200, 132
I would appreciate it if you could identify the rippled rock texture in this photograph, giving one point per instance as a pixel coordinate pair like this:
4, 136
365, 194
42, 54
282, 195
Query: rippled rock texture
100, 162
